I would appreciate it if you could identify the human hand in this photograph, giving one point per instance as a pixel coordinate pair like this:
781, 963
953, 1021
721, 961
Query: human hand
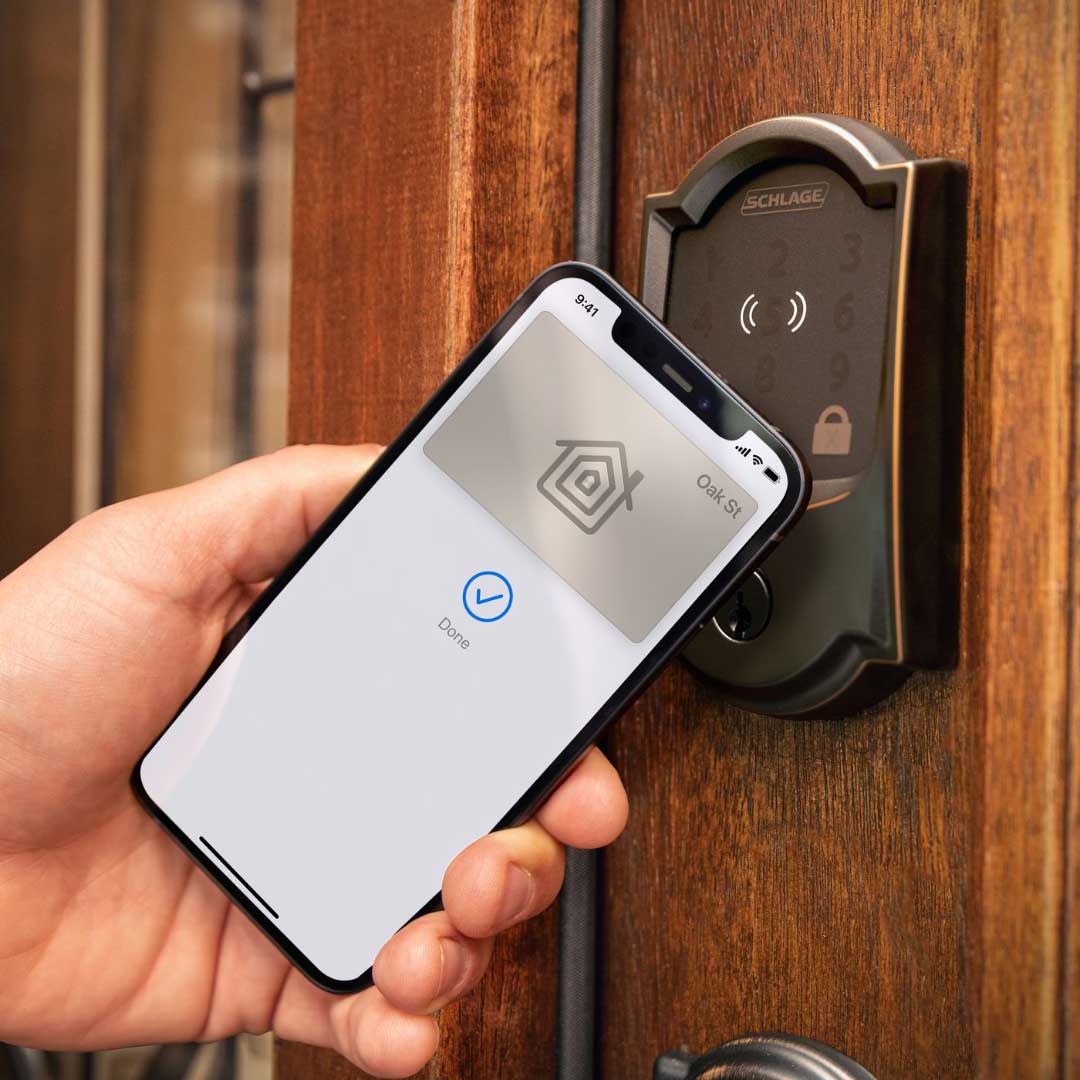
109, 934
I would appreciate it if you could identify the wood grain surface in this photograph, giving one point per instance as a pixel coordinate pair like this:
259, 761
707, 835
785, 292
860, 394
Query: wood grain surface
39, 110
434, 178
903, 884
900, 884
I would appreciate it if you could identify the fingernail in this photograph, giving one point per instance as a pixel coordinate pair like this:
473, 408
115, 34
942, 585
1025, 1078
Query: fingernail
454, 959
517, 894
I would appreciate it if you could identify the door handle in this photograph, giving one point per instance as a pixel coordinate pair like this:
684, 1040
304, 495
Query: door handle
768, 1056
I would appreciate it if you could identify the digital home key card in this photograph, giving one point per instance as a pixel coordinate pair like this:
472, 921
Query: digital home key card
818, 266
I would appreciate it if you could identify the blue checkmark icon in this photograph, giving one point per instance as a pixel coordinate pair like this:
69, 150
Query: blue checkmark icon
487, 596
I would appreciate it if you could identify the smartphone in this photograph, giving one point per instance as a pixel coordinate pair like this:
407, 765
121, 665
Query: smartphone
509, 575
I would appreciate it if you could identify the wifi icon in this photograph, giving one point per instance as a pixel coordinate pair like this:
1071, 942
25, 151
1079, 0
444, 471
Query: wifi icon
744, 450
758, 460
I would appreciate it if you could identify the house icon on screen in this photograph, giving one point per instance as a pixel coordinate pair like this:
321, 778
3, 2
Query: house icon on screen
589, 480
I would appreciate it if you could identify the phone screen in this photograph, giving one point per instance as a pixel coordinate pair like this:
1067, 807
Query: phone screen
465, 621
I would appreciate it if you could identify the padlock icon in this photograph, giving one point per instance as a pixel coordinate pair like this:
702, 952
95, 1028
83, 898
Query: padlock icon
832, 432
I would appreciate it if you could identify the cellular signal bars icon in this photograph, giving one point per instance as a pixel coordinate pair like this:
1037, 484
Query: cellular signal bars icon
744, 450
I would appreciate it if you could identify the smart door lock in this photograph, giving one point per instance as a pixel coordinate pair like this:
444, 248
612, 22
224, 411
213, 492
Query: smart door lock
817, 266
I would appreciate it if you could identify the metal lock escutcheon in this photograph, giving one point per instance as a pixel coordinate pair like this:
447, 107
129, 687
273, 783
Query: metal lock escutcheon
842, 229
832, 432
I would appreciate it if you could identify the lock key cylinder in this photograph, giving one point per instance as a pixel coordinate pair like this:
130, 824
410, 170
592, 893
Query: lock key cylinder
817, 265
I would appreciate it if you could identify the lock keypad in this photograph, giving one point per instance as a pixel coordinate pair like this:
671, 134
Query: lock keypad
784, 290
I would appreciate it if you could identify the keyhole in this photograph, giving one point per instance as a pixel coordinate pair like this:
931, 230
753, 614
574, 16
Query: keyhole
740, 619
748, 613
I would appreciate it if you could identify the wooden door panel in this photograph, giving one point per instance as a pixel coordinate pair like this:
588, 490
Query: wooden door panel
892, 884
434, 178
900, 884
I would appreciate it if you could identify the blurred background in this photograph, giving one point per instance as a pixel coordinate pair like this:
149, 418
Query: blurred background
145, 193
145, 190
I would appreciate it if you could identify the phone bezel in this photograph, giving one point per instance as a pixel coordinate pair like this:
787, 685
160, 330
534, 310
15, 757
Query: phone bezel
731, 418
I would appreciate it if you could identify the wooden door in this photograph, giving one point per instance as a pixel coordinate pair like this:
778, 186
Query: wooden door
901, 884
433, 179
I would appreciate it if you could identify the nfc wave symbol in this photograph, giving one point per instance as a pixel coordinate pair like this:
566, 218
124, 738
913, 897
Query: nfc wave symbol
748, 322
